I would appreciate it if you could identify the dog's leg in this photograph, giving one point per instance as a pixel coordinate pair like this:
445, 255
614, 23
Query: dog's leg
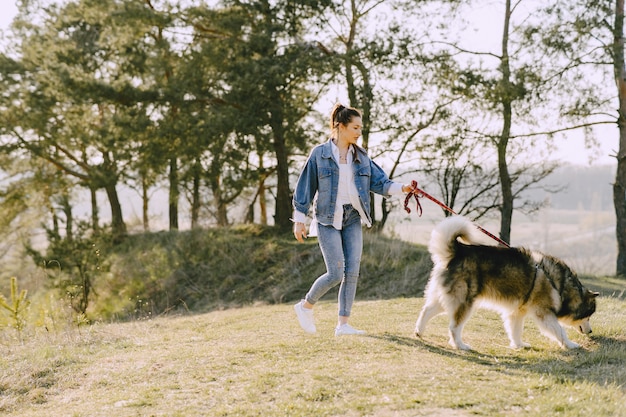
457, 320
430, 310
514, 325
550, 326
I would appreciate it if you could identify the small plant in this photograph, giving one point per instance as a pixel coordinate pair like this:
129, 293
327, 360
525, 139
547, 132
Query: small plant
16, 306
74, 263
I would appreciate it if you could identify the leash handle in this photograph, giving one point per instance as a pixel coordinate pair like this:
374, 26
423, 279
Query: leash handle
414, 194
418, 193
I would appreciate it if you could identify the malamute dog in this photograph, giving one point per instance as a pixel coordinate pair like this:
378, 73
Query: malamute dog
513, 281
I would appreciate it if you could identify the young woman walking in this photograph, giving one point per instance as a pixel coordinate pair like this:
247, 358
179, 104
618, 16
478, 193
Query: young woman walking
338, 176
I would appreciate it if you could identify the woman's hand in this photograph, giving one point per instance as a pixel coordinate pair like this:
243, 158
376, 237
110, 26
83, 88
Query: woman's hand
299, 231
408, 188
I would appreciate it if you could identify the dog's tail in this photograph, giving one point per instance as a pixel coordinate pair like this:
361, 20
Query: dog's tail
444, 235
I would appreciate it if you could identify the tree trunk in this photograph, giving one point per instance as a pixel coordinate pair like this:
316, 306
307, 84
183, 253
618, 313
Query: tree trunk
144, 204
195, 195
283, 210
69, 217
379, 226
221, 214
262, 203
95, 221
283, 195
506, 210
220, 206
174, 193
55, 222
261, 193
619, 187
118, 227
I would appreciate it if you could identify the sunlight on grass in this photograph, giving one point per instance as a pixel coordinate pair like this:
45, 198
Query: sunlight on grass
256, 361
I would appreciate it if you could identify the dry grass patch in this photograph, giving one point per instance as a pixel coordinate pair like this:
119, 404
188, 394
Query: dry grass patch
255, 361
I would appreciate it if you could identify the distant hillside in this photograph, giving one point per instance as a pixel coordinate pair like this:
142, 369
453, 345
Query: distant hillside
586, 188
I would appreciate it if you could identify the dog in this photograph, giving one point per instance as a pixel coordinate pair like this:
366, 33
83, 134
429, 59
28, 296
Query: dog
515, 282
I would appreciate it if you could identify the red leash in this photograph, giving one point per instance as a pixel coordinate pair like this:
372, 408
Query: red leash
418, 193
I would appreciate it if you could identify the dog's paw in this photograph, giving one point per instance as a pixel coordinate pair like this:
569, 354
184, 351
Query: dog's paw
520, 345
571, 345
460, 346
419, 332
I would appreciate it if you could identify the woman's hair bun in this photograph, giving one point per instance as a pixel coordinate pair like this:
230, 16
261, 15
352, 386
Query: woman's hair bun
342, 115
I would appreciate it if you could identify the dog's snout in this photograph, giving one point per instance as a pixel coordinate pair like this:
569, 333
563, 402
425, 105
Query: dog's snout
584, 327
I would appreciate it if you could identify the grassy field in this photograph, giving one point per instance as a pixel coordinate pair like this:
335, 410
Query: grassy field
184, 326
255, 361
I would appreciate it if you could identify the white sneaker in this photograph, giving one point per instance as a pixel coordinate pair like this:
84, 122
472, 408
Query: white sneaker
305, 317
346, 329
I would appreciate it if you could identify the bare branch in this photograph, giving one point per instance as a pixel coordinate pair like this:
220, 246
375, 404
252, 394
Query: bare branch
466, 51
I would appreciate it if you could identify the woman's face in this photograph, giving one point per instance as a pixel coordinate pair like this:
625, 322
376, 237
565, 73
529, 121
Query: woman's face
352, 131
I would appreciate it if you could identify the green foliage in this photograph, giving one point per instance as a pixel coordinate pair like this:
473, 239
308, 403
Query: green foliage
74, 264
217, 99
17, 306
105, 92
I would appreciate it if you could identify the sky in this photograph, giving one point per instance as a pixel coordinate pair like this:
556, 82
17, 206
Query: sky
572, 149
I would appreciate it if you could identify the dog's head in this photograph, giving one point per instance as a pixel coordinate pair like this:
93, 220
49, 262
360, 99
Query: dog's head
577, 302
578, 311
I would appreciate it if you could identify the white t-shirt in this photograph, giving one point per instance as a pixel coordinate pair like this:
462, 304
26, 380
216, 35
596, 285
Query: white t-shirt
347, 193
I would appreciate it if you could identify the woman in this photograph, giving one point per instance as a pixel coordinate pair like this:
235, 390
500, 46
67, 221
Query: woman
338, 176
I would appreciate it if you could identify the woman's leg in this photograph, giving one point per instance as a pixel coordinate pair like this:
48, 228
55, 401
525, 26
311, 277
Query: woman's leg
329, 240
352, 248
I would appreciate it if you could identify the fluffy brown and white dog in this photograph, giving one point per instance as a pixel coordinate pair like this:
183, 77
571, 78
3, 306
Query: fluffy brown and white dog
515, 282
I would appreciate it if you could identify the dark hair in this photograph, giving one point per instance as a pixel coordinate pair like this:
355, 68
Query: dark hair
343, 115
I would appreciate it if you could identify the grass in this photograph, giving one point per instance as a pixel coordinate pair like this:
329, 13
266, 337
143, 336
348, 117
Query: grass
255, 361
209, 330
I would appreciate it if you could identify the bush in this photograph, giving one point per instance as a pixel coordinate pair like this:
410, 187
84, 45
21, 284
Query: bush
203, 270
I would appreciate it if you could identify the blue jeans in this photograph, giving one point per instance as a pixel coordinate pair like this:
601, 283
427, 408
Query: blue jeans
342, 250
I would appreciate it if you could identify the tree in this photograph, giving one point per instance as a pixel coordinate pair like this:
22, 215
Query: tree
509, 94
619, 187
268, 69
75, 105
394, 71
463, 171
357, 53
223, 148
588, 36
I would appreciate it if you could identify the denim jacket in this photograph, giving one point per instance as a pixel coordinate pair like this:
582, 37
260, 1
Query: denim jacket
320, 176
